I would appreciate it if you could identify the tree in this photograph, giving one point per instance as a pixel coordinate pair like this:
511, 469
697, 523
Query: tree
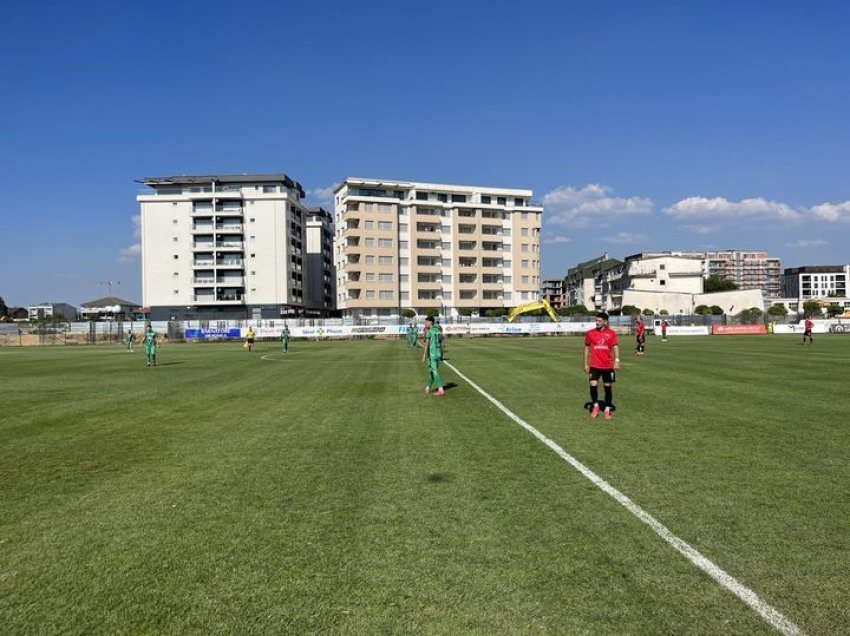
408, 312
834, 309
648, 312
495, 312
812, 308
702, 310
663, 312
432, 312
465, 311
575, 310
716, 310
777, 310
715, 283
630, 310
4, 310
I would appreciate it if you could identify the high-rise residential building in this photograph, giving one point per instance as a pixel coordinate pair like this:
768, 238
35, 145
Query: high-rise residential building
453, 248
748, 269
817, 281
231, 246
552, 290
583, 284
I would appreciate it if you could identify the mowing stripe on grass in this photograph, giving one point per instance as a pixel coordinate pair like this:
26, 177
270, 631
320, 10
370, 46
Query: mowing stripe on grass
771, 615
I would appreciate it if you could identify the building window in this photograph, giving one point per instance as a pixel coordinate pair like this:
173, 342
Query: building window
370, 260
385, 242
385, 260
385, 295
369, 225
524, 231
444, 198
458, 198
370, 242
501, 201
385, 207
370, 293
385, 278
421, 196
519, 203
176, 257
385, 225
269, 188
370, 277
485, 199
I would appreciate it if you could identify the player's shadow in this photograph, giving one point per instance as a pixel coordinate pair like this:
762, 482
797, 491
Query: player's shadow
168, 364
438, 478
449, 386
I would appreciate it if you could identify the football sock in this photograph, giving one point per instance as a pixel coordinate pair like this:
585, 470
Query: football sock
594, 393
609, 395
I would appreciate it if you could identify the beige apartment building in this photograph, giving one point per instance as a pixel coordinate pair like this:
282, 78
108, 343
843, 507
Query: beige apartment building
454, 248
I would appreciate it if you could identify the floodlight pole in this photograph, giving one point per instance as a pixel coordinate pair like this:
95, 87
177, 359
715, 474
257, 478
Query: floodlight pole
109, 284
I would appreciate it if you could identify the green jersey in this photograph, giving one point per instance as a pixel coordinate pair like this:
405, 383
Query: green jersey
150, 339
284, 335
435, 339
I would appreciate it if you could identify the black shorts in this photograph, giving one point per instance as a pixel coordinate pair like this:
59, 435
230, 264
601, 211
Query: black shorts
641, 338
608, 375
807, 332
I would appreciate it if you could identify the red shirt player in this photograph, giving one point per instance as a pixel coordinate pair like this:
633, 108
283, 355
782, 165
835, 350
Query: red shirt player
640, 337
663, 330
807, 331
599, 345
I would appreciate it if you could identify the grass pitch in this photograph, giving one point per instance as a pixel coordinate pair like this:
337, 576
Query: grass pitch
322, 491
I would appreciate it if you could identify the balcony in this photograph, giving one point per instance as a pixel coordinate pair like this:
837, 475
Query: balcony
206, 246
229, 245
203, 281
226, 263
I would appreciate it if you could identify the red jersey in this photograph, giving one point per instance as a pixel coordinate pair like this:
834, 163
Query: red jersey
809, 325
600, 341
640, 327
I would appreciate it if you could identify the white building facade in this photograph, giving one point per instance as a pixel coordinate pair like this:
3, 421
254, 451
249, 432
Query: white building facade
225, 246
454, 248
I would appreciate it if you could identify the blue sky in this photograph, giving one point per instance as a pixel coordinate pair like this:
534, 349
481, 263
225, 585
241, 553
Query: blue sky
642, 125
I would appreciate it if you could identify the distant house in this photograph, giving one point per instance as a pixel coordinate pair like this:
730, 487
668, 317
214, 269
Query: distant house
108, 308
46, 310
18, 314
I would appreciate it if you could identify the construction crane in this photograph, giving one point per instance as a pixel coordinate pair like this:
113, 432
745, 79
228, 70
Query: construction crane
538, 304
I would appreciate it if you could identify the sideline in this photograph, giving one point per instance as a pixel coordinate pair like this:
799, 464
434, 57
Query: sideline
771, 615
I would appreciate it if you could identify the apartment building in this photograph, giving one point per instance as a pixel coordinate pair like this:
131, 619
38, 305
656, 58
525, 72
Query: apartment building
816, 281
454, 248
583, 284
748, 269
552, 290
230, 246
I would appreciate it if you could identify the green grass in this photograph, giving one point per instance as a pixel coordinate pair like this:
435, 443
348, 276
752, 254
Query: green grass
222, 492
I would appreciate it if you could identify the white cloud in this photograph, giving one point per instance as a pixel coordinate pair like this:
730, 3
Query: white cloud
703, 215
832, 211
323, 196
578, 207
553, 239
133, 252
130, 253
626, 238
807, 243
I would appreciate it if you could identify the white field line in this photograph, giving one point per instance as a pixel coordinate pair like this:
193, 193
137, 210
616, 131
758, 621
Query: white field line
771, 615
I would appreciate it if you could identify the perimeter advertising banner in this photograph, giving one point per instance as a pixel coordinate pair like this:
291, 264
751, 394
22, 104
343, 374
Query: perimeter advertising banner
738, 330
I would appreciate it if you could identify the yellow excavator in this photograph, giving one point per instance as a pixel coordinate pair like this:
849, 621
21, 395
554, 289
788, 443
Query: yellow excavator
538, 304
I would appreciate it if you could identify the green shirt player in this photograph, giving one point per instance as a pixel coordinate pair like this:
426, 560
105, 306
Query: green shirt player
432, 356
284, 339
411, 335
149, 340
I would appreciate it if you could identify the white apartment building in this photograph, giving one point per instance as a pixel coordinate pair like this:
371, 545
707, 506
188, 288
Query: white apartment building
228, 246
656, 281
817, 281
454, 248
